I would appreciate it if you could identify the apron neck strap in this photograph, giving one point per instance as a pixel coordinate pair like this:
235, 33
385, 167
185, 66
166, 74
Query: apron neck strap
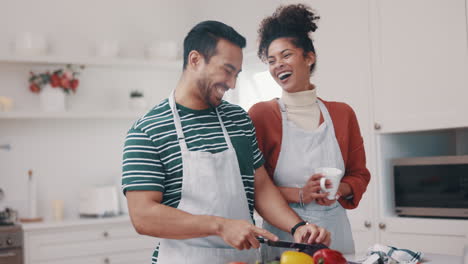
325, 113
282, 107
323, 109
225, 133
178, 125
326, 117
281, 104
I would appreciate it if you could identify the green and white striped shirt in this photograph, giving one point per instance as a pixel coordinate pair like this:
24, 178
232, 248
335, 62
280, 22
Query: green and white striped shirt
152, 159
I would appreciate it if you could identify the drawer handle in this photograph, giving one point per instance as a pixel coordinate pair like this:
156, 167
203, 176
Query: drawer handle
107, 260
105, 234
382, 226
367, 224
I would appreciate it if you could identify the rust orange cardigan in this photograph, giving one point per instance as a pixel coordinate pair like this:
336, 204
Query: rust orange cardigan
266, 117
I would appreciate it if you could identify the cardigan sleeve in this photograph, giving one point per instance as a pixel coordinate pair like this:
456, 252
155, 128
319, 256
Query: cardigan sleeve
267, 121
356, 174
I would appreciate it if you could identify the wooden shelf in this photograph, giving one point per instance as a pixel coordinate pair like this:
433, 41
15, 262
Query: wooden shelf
94, 61
71, 115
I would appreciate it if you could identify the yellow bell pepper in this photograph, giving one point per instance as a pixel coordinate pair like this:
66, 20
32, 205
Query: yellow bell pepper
294, 257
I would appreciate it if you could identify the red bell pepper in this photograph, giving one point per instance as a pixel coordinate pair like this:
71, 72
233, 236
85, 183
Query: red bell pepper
329, 256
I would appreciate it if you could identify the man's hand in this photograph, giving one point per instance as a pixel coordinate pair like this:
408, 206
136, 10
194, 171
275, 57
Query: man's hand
241, 234
312, 233
311, 190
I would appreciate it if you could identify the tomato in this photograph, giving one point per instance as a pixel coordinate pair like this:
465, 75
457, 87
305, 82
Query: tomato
329, 256
294, 257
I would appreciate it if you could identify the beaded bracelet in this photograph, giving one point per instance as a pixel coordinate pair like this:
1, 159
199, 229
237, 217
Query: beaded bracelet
301, 201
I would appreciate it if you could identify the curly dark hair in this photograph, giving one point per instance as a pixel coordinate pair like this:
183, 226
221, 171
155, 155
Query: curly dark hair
291, 21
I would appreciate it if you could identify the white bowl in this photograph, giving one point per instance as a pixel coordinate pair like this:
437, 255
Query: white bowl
30, 44
167, 50
107, 49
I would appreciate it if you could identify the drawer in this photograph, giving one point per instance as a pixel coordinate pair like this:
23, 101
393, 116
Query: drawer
136, 257
85, 241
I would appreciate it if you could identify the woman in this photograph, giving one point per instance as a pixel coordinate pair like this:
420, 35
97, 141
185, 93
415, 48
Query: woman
299, 133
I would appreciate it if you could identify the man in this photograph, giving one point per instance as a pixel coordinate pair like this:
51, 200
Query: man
192, 170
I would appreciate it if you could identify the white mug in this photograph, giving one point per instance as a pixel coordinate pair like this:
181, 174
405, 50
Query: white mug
332, 174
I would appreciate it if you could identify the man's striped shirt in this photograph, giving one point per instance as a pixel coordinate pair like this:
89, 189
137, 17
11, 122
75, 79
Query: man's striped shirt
152, 159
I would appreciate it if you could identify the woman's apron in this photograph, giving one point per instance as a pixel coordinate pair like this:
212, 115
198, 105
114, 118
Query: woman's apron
301, 153
212, 185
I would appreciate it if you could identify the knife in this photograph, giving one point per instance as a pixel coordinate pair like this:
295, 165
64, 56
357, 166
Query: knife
288, 244
310, 249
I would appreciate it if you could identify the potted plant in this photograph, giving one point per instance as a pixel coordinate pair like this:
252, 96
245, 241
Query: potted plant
137, 100
53, 86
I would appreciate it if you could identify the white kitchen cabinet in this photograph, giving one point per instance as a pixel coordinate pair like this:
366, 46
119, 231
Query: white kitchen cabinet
394, 57
101, 242
420, 64
136, 257
349, 80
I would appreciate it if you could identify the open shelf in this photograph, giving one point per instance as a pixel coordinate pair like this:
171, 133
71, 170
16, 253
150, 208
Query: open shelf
71, 115
93, 61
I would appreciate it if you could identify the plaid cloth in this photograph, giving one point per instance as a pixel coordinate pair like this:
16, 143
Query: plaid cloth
380, 254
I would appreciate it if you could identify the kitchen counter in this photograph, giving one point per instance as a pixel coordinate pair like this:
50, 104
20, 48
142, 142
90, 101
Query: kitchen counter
436, 259
427, 258
76, 222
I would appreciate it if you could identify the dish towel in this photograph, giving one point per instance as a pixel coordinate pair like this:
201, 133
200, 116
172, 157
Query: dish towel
380, 254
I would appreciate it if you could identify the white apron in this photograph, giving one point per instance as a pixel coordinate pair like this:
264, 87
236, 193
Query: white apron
301, 153
211, 185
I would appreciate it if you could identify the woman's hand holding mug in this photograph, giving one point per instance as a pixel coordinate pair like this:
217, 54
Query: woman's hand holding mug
332, 175
311, 190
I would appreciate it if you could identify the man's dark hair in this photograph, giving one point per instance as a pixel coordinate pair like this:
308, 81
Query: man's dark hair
204, 38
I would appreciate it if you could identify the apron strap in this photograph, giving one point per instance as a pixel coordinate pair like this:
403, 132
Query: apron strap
178, 125
326, 117
282, 107
331, 128
225, 133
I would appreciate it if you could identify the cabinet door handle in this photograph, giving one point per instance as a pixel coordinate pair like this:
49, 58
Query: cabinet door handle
106, 260
367, 224
377, 126
382, 226
105, 234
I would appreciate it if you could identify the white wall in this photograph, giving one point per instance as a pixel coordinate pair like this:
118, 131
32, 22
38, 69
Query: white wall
69, 154
243, 15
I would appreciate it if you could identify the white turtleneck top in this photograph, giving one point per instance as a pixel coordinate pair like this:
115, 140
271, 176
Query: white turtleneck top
302, 108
